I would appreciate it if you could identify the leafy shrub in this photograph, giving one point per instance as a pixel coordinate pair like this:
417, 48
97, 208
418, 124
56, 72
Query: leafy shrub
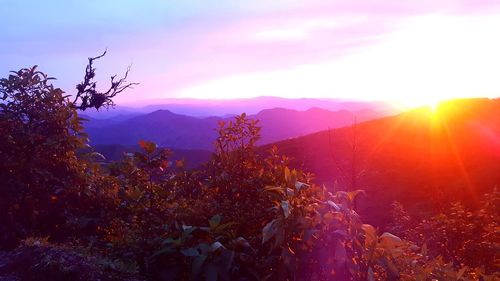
40, 134
147, 215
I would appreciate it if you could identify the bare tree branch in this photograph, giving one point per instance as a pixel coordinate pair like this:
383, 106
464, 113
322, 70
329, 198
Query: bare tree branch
88, 96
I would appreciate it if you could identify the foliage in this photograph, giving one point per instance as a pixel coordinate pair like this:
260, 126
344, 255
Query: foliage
460, 237
243, 216
40, 135
235, 175
53, 262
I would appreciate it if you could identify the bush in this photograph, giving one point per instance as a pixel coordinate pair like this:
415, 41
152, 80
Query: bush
243, 216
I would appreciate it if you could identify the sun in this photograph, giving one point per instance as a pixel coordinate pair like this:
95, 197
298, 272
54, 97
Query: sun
433, 105
429, 103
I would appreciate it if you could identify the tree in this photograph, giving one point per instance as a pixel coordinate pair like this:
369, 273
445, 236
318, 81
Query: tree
43, 171
40, 134
87, 95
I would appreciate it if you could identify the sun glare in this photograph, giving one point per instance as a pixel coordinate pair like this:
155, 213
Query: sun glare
433, 105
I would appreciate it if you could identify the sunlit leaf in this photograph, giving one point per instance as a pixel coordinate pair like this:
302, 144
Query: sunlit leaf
389, 241
97, 155
287, 174
149, 147
333, 205
370, 234
299, 185
274, 189
216, 246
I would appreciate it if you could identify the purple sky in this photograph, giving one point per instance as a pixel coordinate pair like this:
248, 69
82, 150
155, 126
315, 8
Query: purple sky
405, 51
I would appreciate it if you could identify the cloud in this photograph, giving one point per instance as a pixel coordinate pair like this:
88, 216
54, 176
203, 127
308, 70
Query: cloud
431, 57
301, 29
181, 45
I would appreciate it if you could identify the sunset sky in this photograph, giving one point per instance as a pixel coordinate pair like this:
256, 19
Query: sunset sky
412, 52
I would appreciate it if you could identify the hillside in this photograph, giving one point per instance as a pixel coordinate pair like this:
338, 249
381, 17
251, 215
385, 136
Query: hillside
68, 216
421, 158
186, 132
163, 127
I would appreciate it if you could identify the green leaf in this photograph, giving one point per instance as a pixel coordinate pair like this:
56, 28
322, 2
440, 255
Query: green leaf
190, 252
269, 231
242, 242
370, 234
289, 260
223, 262
188, 229
391, 243
274, 229
461, 272
197, 266
288, 176
285, 206
274, 189
215, 221
370, 275
333, 205
166, 250
353, 194
216, 246
219, 229
204, 248
97, 155
393, 270
424, 250
299, 185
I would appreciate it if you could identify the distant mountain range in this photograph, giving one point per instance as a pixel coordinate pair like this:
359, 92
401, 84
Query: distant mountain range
204, 108
224, 108
422, 158
178, 131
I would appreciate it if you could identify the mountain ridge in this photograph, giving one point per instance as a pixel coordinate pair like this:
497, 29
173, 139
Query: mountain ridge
174, 130
416, 157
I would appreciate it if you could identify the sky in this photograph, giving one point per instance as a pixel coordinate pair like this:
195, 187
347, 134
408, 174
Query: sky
409, 52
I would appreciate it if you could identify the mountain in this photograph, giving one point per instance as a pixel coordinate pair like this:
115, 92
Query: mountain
207, 107
422, 158
227, 107
216, 107
280, 123
186, 132
163, 127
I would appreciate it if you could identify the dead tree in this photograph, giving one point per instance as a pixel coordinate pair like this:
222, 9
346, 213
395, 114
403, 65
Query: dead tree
348, 172
88, 96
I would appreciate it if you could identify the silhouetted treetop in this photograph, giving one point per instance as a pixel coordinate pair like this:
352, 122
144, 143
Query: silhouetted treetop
88, 96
